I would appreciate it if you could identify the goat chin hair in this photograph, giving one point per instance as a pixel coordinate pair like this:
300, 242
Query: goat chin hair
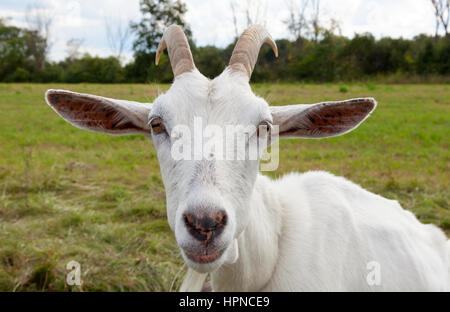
193, 281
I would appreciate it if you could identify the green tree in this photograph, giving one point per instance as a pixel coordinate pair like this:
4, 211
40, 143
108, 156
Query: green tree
157, 15
426, 58
92, 69
210, 61
18, 50
12, 50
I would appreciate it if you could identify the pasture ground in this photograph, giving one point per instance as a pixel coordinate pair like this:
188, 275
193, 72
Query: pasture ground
68, 194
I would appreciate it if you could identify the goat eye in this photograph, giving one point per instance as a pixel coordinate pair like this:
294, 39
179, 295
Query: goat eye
264, 128
157, 125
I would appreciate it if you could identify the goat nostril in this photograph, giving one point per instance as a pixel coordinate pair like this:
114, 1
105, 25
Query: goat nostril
203, 226
187, 220
221, 218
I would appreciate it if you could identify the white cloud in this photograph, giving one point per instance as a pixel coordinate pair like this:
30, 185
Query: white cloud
211, 21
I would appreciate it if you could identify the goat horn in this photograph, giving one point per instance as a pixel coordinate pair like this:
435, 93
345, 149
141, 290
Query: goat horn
245, 53
177, 45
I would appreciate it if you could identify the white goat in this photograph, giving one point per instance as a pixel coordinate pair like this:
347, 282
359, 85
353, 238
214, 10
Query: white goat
303, 232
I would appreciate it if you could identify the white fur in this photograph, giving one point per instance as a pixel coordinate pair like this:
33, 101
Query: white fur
307, 232
317, 232
193, 281
303, 232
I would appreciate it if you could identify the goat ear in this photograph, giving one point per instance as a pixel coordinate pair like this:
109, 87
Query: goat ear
100, 114
321, 120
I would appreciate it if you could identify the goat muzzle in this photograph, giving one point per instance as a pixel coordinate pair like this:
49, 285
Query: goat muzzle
205, 225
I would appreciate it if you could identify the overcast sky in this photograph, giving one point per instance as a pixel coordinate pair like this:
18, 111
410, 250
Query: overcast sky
212, 23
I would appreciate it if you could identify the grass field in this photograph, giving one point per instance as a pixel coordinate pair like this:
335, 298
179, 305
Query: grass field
67, 194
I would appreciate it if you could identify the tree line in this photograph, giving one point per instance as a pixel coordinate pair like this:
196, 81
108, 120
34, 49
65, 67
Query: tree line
324, 56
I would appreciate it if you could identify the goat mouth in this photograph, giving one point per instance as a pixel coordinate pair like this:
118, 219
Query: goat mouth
203, 258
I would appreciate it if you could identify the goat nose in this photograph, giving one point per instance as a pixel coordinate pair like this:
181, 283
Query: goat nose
204, 226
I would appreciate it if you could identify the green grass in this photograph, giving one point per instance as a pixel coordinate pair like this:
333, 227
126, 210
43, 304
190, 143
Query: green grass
68, 194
